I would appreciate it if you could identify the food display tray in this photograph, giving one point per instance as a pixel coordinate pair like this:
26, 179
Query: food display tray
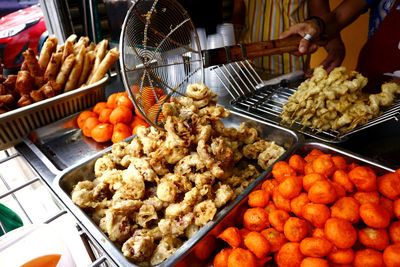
15, 124
84, 170
301, 149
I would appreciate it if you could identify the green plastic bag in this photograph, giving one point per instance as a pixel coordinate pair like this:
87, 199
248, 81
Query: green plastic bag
9, 219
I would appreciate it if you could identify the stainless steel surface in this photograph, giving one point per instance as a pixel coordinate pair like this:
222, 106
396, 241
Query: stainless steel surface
301, 149
255, 98
15, 124
62, 144
83, 170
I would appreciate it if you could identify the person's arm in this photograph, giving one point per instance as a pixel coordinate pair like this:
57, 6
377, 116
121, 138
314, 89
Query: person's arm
335, 21
335, 47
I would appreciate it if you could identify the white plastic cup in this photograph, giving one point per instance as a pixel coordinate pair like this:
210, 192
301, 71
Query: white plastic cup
228, 33
28, 243
215, 41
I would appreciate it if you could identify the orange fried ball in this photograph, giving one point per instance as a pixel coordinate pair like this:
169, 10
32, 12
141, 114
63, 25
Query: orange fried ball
121, 131
312, 262
290, 187
310, 179
269, 185
316, 214
282, 169
280, 202
388, 205
340, 162
204, 249
394, 232
257, 244
297, 163
341, 256
315, 153
270, 207
99, 107
289, 255
389, 185
374, 215
102, 132
241, 257
318, 232
255, 219
391, 255
111, 100
368, 258
308, 168
324, 165
275, 238
123, 100
340, 232
83, 116
315, 247
295, 229
278, 218
341, 177
231, 235
364, 178
322, 192
367, 197
221, 259
346, 208
121, 114
104, 115
89, 125
374, 238
297, 204
258, 198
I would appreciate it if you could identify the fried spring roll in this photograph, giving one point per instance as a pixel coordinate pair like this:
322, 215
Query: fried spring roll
76, 71
107, 62
48, 48
24, 83
83, 40
38, 81
87, 67
32, 62
90, 47
68, 50
60, 48
66, 67
53, 66
100, 49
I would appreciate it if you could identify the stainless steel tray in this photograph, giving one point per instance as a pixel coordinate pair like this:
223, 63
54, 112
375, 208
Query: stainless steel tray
300, 149
16, 124
83, 170
61, 144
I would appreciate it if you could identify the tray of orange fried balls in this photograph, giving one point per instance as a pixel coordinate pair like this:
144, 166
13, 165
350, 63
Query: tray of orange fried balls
112, 120
321, 207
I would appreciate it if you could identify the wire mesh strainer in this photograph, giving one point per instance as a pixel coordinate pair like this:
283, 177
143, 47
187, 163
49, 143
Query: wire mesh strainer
160, 55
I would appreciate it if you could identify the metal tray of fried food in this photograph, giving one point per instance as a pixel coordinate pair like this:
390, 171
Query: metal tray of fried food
301, 149
84, 170
17, 123
266, 104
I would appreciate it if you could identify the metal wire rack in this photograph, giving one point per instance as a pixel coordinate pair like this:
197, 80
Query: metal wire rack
30, 197
253, 97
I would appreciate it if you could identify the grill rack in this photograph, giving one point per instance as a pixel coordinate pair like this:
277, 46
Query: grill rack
264, 100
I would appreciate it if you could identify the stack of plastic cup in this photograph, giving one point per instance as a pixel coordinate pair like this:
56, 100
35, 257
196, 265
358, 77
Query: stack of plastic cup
227, 32
215, 41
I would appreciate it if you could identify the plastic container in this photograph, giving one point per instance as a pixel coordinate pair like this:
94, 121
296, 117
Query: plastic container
34, 245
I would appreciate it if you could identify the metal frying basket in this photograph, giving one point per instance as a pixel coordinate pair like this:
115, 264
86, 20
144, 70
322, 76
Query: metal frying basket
160, 55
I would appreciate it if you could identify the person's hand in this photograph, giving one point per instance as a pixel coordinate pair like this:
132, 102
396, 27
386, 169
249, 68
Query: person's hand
309, 27
336, 52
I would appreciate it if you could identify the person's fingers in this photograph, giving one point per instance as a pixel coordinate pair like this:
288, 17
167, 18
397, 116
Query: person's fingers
304, 46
